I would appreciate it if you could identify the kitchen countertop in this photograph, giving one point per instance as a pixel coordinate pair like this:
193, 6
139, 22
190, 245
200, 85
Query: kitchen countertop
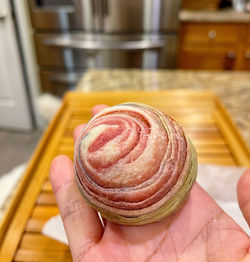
221, 16
233, 88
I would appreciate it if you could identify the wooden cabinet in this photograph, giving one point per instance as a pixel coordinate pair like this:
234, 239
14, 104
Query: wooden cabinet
244, 54
217, 59
200, 5
248, 34
208, 34
245, 61
214, 46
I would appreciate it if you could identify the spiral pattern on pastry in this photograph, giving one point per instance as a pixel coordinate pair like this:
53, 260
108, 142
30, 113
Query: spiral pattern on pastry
134, 164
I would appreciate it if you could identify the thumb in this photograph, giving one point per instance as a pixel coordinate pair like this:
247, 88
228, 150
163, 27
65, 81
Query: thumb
243, 191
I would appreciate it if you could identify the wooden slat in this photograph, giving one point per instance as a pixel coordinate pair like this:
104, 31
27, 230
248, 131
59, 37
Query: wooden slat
75, 122
198, 142
187, 125
212, 150
33, 255
69, 152
208, 134
181, 113
217, 161
46, 198
40, 242
210, 146
44, 211
47, 187
161, 103
174, 98
80, 118
35, 225
67, 141
205, 132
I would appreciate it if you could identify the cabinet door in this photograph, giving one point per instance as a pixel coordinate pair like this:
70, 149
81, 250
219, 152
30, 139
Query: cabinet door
208, 34
208, 46
207, 60
14, 107
245, 59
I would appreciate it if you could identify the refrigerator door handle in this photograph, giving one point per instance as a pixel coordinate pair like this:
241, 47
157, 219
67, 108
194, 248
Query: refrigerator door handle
69, 42
65, 78
67, 9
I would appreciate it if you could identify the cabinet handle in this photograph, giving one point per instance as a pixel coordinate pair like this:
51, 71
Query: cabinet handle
212, 34
229, 60
65, 78
74, 43
247, 55
231, 55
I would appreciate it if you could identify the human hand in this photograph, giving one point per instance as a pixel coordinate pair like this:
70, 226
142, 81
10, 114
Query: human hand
199, 231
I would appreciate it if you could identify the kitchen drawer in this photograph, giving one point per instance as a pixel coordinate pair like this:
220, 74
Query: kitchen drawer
200, 5
221, 46
245, 58
210, 33
217, 59
57, 83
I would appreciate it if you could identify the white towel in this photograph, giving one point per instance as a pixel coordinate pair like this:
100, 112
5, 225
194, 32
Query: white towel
8, 182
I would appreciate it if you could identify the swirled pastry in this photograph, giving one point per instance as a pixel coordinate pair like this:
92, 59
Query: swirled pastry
134, 164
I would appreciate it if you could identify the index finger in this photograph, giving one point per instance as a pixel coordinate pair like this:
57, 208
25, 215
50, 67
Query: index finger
96, 109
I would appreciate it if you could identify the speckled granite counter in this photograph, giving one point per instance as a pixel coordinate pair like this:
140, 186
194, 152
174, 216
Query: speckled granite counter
233, 88
222, 16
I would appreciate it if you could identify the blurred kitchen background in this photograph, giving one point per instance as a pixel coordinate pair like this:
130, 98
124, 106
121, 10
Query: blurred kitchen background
47, 46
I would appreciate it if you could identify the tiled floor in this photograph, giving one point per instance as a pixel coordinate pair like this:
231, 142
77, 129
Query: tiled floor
16, 148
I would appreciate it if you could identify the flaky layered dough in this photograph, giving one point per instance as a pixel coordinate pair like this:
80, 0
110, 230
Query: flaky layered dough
134, 164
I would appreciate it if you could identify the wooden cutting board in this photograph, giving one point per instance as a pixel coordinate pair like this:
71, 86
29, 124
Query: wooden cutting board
203, 117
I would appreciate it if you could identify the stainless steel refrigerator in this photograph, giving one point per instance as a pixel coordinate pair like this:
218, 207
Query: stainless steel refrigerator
74, 35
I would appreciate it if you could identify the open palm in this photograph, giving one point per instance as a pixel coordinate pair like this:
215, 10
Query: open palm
199, 231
